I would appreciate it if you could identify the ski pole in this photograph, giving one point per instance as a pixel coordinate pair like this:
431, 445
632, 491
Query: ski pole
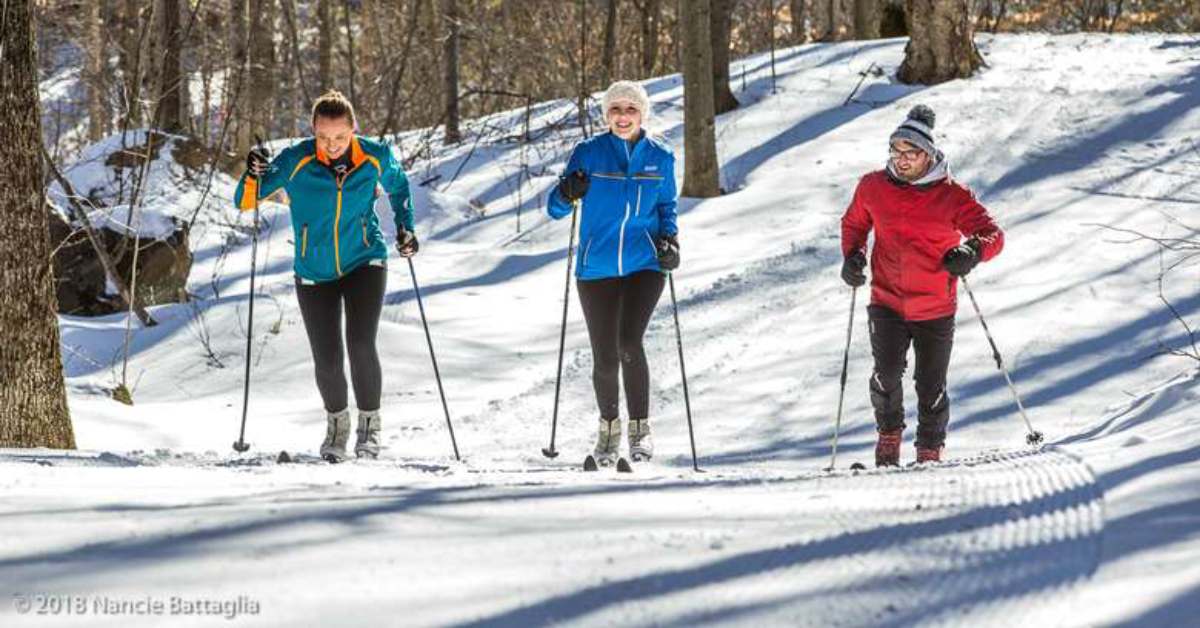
241, 445
837, 424
429, 339
1033, 437
687, 403
549, 452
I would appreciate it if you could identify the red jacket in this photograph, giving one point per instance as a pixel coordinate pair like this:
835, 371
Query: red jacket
914, 227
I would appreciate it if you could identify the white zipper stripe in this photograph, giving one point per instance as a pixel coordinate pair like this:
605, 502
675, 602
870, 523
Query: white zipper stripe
587, 249
653, 246
621, 243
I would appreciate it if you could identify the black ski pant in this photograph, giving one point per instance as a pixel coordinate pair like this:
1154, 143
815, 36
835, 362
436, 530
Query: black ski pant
617, 311
931, 341
361, 293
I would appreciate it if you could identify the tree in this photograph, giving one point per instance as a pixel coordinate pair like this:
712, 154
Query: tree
650, 12
324, 46
608, 60
722, 14
33, 396
700, 171
98, 116
866, 19
259, 81
941, 45
799, 9
450, 58
170, 104
834, 17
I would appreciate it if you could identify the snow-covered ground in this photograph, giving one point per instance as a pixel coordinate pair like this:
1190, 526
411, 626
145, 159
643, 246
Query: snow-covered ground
157, 521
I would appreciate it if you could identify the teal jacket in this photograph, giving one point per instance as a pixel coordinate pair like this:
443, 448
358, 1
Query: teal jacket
333, 217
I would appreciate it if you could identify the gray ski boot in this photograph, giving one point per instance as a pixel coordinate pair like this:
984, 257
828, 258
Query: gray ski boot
641, 447
608, 443
366, 443
337, 433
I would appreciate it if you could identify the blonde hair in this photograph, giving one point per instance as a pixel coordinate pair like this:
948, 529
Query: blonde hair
333, 104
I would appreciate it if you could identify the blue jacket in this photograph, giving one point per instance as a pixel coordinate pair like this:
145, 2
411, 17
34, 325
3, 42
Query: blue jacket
630, 203
334, 222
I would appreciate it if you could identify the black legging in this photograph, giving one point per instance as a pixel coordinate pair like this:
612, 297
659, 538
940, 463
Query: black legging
321, 306
931, 341
617, 311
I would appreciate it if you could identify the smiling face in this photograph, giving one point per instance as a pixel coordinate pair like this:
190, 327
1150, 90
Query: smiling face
624, 119
910, 162
333, 135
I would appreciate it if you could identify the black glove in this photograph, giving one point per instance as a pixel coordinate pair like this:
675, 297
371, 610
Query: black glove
573, 186
257, 161
668, 252
961, 259
852, 269
406, 243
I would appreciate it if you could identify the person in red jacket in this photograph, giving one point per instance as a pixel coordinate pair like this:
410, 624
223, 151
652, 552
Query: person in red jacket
929, 230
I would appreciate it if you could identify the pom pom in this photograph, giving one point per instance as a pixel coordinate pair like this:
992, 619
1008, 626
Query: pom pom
923, 114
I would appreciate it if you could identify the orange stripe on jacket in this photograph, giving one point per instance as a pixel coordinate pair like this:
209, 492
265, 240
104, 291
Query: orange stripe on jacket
249, 194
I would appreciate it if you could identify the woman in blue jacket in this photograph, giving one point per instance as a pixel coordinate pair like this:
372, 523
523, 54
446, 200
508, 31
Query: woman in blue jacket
340, 256
624, 181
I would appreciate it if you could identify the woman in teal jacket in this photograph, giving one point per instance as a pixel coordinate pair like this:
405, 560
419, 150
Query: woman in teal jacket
340, 256
624, 182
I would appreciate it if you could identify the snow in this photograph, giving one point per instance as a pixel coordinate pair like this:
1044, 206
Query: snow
166, 200
1063, 137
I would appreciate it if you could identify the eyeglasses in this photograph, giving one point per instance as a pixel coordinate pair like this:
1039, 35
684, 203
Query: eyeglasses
907, 155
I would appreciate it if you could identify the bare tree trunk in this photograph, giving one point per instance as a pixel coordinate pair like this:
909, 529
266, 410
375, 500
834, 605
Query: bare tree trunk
1004, 9
722, 14
289, 14
835, 15
450, 54
608, 61
130, 66
170, 104
236, 88
350, 64
398, 79
651, 14
866, 19
324, 46
371, 48
584, 119
799, 10
33, 396
701, 176
1116, 15
98, 116
260, 81
941, 45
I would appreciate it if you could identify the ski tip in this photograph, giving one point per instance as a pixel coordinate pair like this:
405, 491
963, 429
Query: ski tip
623, 466
858, 466
284, 457
589, 464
